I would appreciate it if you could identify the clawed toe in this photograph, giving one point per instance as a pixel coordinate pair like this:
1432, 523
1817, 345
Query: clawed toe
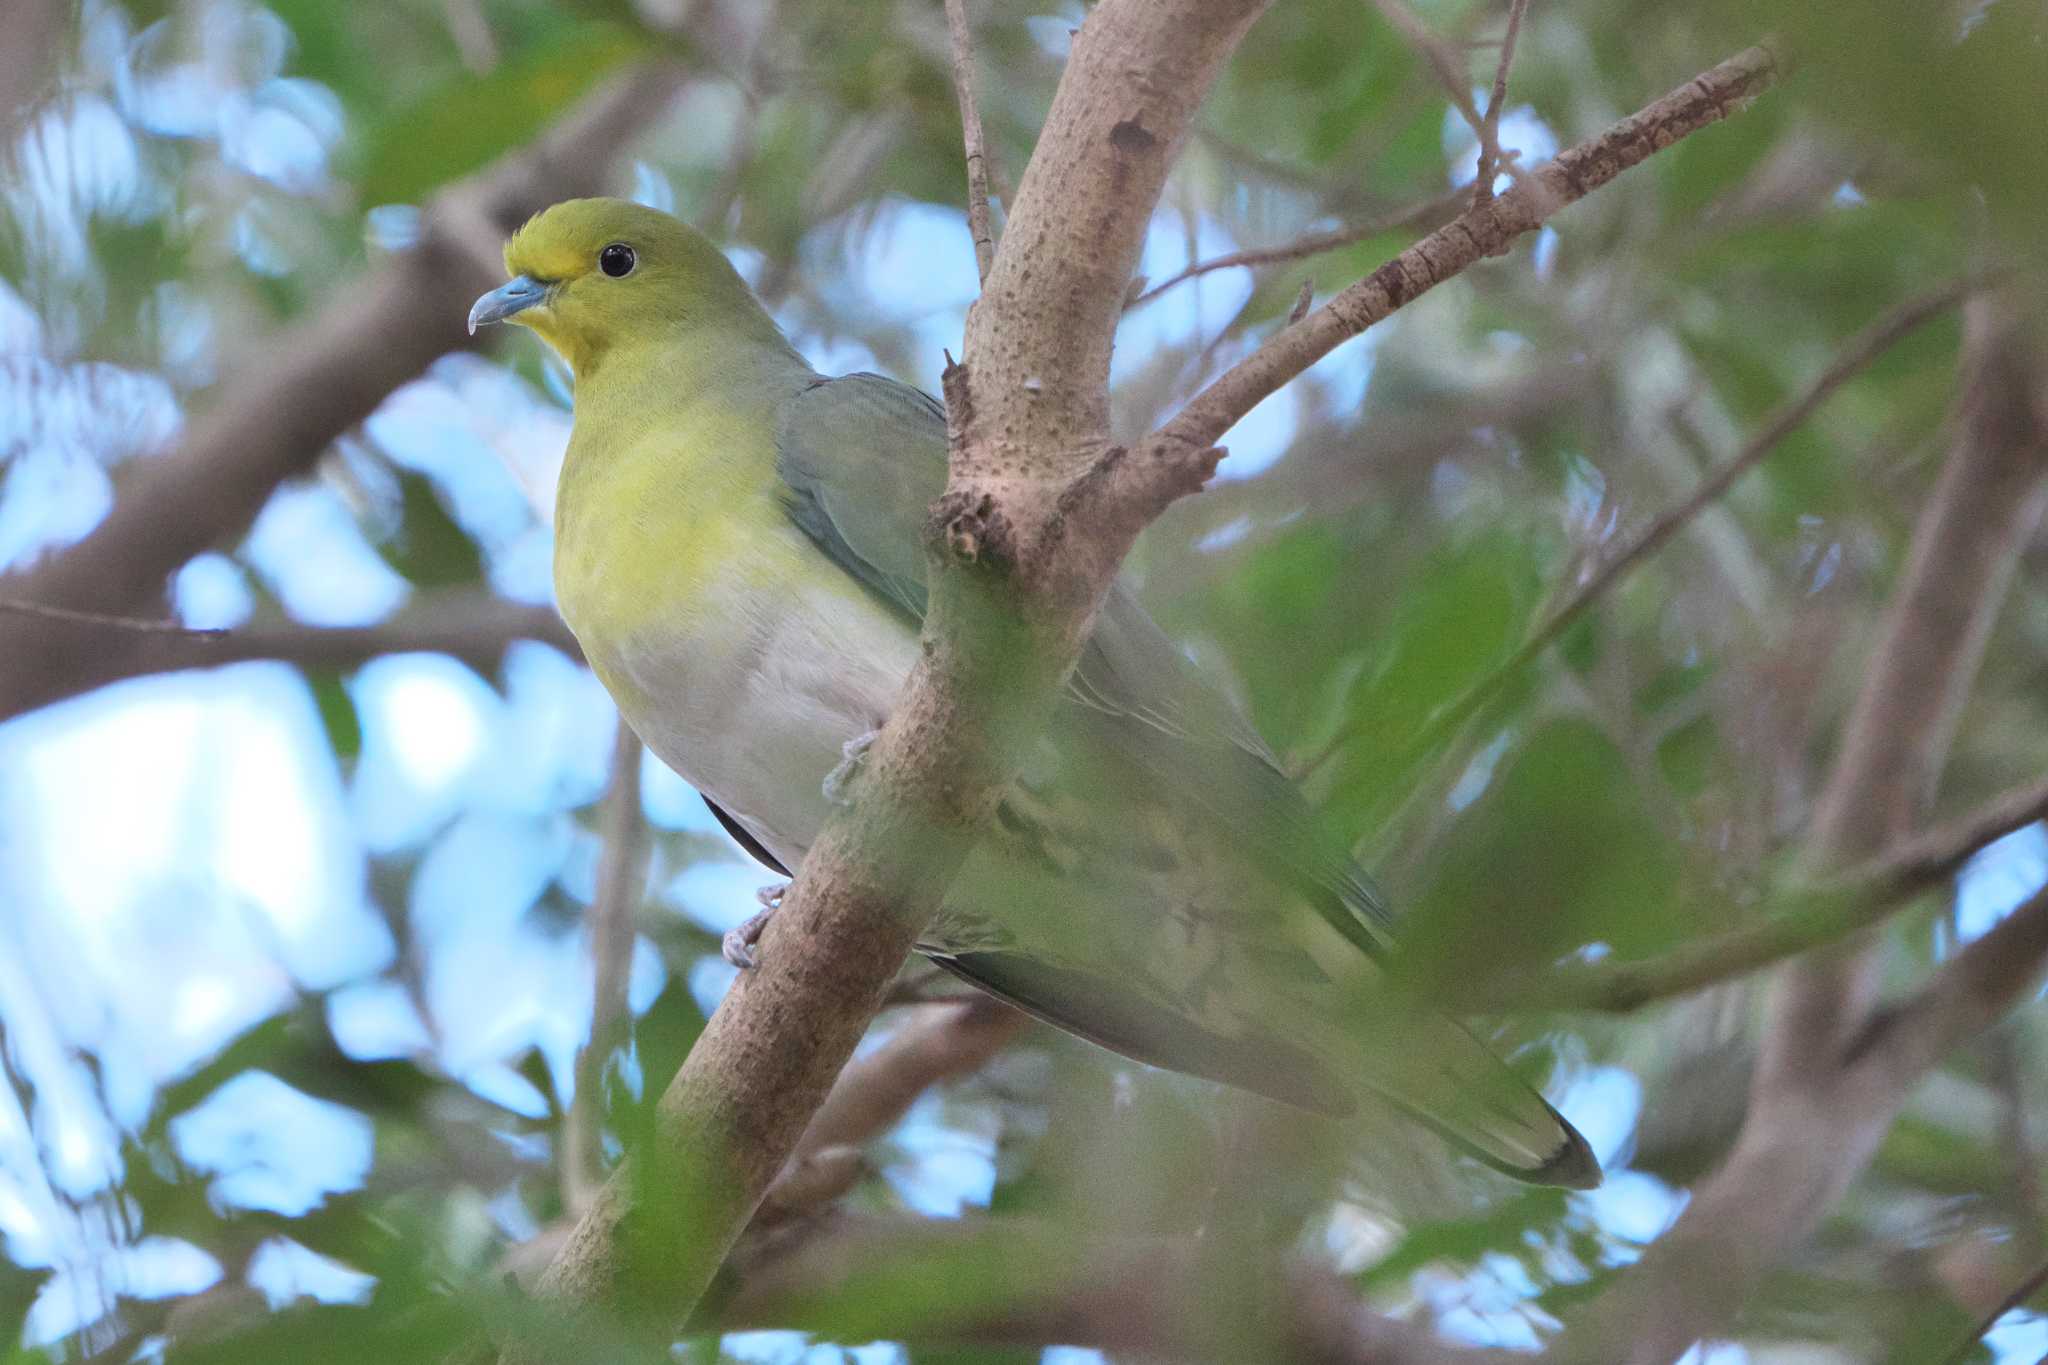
738, 944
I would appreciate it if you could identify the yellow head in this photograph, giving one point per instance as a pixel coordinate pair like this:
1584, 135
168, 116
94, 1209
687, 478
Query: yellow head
592, 274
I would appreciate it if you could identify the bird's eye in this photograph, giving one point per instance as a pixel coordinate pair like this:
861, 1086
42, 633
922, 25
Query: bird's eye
616, 260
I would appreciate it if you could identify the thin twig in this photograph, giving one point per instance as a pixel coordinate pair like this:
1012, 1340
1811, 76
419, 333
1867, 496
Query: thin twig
143, 625
1314, 243
1812, 915
1474, 235
1872, 342
620, 869
2026, 1289
1489, 128
970, 132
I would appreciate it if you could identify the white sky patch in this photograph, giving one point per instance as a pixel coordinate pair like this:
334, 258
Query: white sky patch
670, 802
212, 593
272, 1147
1603, 1103
717, 895
376, 1021
1999, 878
423, 722
307, 546
1178, 317
285, 1270
1520, 130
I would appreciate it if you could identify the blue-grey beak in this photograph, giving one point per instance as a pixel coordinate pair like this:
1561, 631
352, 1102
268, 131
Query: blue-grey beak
515, 295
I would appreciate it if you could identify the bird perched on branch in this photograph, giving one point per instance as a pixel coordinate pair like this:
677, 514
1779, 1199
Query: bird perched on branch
738, 552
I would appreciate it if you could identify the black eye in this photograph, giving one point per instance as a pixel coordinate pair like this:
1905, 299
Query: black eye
616, 260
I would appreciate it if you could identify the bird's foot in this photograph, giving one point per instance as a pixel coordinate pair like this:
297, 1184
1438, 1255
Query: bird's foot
839, 782
738, 943
771, 896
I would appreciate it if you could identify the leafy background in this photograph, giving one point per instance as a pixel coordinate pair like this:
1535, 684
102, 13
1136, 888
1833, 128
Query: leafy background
298, 960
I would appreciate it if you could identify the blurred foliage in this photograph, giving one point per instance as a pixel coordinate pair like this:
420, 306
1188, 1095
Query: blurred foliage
191, 176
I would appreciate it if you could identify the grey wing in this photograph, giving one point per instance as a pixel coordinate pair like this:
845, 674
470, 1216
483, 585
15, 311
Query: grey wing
863, 457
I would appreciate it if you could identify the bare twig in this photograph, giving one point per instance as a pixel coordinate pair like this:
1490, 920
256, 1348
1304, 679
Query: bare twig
620, 870
76, 616
1314, 243
978, 221
939, 1042
1866, 347
1812, 916
472, 625
1471, 237
1489, 127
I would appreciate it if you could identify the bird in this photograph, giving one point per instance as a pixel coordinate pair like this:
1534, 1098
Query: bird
738, 553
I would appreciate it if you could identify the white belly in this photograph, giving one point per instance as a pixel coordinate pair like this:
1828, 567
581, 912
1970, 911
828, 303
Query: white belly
756, 704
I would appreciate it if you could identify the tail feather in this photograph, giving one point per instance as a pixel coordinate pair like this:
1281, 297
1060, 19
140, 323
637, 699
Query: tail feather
1432, 1069
1441, 1076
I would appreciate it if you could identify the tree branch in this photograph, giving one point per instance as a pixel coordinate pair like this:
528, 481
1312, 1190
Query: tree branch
1038, 513
1475, 234
621, 870
470, 624
322, 376
1872, 342
1315, 243
1035, 520
1489, 129
978, 222
1810, 917
1834, 1070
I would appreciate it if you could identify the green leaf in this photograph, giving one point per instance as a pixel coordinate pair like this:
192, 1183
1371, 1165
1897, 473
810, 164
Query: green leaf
472, 120
429, 548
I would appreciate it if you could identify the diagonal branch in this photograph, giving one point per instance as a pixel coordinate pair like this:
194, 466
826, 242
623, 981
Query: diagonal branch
1037, 515
1039, 510
1811, 917
1479, 232
1872, 342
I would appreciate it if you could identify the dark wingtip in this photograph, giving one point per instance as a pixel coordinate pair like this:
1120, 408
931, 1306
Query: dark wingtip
1572, 1166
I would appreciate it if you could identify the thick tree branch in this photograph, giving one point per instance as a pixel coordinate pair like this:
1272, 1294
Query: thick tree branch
1835, 1070
321, 377
1036, 518
1481, 231
1039, 511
